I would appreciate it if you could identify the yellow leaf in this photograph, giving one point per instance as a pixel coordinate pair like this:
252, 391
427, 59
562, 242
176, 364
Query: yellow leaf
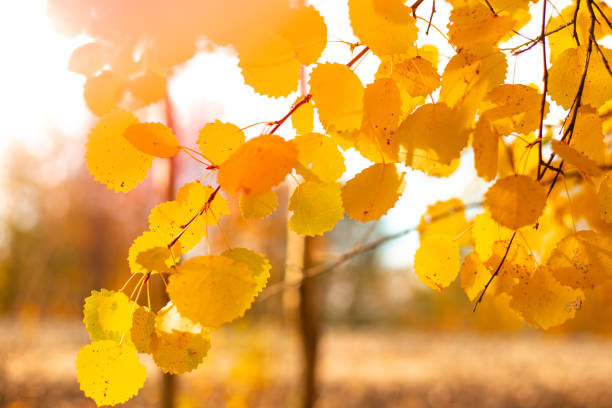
88, 59
257, 206
258, 165
518, 265
515, 109
153, 138
317, 207
320, 155
179, 352
474, 276
107, 315
485, 232
485, 144
382, 104
417, 76
386, 26
516, 201
337, 94
168, 320
219, 140
437, 261
582, 260
103, 92
212, 290
475, 26
149, 253
257, 263
109, 372
585, 165
143, 329
565, 76
269, 65
147, 88
306, 31
111, 159
605, 198
436, 128
588, 136
302, 119
446, 218
371, 193
542, 301
194, 196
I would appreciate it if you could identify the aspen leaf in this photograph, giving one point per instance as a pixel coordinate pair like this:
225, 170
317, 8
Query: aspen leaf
474, 276
565, 76
446, 218
147, 88
107, 315
153, 138
485, 232
588, 134
167, 220
269, 65
518, 264
260, 205
149, 253
485, 144
193, 196
386, 26
605, 198
168, 319
302, 119
305, 29
320, 155
516, 201
585, 165
437, 261
143, 329
417, 76
382, 104
434, 127
257, 263
317, 207
103, 92
219, 140
371, 193
515, 108
179, 352
109, 372
212, 290
582, 260
337, 94
88, 59
542, 301
475, 26
258, 165
111, 159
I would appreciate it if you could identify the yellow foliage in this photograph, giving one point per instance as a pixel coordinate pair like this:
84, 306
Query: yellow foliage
212, 290
518, 264
446, 218
542, 301
258, 165
149, 253
569, 155
485, 143
317, 207
143, 329
260, 205
257, 263
302, 119
111, 159
103, 92
107, 315
320, 155
588, 135
109, 372
437, 261
305, 29
386, 26
417, 76
605, 198
219, 140
179, 352
514, 108
153, 138
475, 26
474, 276
371, 193
485, 232
337, 93
516, 201
147, 88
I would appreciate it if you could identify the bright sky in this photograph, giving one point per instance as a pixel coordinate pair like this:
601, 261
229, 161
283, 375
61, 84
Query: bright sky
39, 95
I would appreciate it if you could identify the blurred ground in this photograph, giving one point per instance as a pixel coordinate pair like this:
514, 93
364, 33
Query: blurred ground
259, 367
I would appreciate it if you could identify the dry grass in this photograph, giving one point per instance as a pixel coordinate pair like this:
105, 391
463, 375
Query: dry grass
359, 368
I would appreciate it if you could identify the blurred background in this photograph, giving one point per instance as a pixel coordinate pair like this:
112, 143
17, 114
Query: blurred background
382, 338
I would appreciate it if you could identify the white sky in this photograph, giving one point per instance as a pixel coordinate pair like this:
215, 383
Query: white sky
38, 94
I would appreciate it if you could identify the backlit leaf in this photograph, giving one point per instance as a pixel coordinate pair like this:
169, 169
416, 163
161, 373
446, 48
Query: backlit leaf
317, 207
516, 201
260, 205
153, 138
320, 155
219, 140
437, 261
257, 263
